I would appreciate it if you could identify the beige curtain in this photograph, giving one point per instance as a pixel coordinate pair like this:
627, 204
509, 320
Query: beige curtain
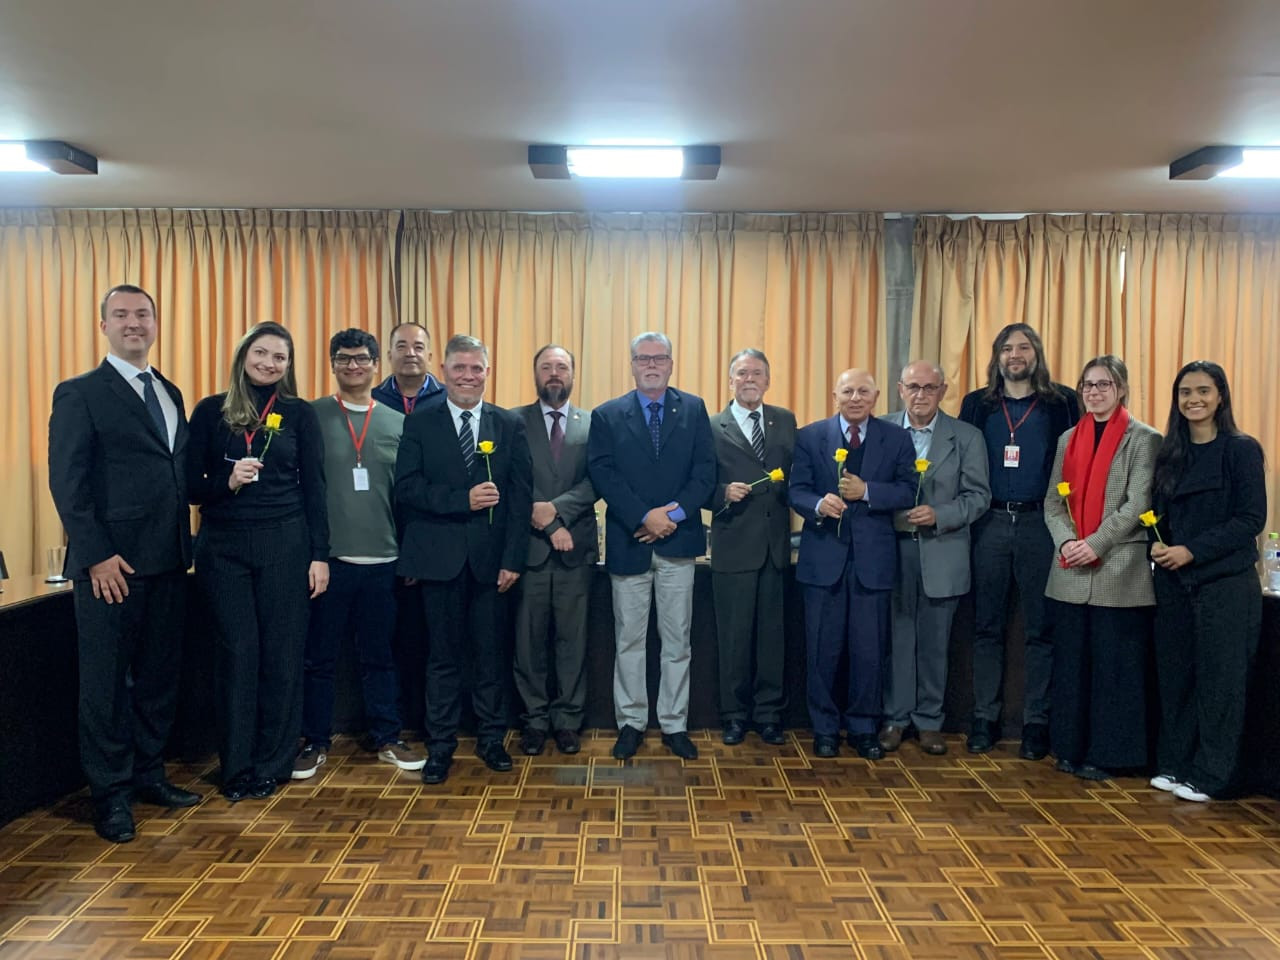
807, 289
1205, 287
213, 274
1060, 274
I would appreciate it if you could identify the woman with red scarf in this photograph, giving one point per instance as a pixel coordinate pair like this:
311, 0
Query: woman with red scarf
1100, 595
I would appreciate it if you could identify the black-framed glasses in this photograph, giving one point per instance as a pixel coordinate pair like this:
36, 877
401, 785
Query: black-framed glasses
928, 389
352, 360
1102, 386
651, 360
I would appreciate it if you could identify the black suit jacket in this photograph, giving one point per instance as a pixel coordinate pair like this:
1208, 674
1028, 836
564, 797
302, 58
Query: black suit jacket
564, 484
747, 533
116, 485
441, 533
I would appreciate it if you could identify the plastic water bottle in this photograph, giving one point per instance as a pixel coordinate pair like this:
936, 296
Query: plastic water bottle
1271, 563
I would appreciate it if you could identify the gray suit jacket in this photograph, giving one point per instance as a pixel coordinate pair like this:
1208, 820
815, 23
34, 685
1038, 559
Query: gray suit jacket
956, 485
564, 484
1123, 578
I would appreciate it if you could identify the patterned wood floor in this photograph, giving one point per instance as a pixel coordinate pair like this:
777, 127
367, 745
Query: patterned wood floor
749, 852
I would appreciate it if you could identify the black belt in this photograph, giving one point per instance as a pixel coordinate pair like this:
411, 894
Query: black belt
908, 534
1017, 506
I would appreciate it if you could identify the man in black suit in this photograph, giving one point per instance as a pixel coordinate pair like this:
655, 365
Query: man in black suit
652, 459
750, 549
463, 479
116, 447
562, 555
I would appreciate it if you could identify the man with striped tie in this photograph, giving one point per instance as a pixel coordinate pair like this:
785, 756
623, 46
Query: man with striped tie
464, 491
750, 549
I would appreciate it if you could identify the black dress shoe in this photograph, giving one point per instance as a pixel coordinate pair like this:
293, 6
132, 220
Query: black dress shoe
494, 755
1087, 771
772, 733
825, 745
680, 744
982, 737
237, 788
165, 794
532, 741
1035, 741
1066, 766
436, 769
735, 731
113, 821
262, 787
567, 741
867, 745
629, 740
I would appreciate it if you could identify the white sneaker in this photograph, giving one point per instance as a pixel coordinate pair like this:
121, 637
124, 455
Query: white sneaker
307, 762
1165, 782
402, 755
1186, 791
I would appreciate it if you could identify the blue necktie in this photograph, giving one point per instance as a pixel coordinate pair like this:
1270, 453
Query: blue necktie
153, 405
655, 426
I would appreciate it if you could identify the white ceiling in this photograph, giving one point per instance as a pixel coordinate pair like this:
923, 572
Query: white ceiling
893, 105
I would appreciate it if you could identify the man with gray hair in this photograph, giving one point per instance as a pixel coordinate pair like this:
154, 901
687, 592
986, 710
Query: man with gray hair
952, 491
651, 458
750, 549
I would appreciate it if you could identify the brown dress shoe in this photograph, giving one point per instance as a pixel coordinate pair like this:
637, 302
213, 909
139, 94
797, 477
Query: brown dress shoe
931, 741
891, 737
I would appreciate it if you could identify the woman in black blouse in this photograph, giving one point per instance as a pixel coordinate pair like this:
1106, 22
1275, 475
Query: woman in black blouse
1211, 499
256, 469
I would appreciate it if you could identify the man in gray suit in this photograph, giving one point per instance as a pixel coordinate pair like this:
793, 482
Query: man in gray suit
933, 555
562, 556
750, 549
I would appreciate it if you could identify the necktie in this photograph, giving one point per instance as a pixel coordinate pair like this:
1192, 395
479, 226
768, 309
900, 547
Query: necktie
655, 426
757, 435
153, 405
467, 441
855, 441
557, 435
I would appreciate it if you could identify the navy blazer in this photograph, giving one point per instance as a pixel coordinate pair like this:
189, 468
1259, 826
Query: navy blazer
632, 479
888, 467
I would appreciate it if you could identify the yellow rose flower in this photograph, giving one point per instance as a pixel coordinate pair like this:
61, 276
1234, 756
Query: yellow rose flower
1149, 519
485, 447
776, 475
1064, 489
922, 465
841, 455
273, 421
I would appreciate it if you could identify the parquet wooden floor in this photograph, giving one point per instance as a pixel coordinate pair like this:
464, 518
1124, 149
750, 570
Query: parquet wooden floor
748, 852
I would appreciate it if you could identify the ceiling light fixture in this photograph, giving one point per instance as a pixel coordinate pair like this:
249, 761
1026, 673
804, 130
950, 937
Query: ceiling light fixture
554, 162
45, 156
1247, 163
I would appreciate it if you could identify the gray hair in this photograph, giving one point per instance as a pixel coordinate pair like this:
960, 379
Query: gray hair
465, 343
650, 337
942, 374
749, 353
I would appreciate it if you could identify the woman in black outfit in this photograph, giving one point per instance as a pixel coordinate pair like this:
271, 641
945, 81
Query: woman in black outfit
1211, 499
261, 553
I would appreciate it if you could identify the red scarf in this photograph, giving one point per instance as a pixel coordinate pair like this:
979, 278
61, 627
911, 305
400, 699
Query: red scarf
1086, 468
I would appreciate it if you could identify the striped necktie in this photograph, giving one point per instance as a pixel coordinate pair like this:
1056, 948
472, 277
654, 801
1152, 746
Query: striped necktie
757, 435
467, 441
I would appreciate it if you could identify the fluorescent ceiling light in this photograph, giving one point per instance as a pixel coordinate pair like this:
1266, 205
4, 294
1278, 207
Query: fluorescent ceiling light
1252, 163
13, 159
1256, 164
624, 162
45, 156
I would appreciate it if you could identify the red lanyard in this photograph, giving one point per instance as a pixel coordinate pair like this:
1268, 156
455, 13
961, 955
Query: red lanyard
368, 415
409, 404
250, 434
1009, 420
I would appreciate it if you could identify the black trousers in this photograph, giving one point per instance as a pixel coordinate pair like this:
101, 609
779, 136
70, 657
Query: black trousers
752, 647
130, 654
255, 581
467, 649
1206, 638
1100, 684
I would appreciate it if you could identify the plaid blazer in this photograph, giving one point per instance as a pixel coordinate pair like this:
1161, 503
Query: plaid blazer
1123, 578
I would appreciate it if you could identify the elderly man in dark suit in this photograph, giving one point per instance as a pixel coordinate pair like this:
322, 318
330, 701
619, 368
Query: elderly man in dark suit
750, 549
952, 491
562, 554
117, 438
851, 471
651, 458
463, 481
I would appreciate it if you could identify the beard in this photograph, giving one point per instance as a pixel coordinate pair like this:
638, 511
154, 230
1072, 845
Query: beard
1018, 375
555, 394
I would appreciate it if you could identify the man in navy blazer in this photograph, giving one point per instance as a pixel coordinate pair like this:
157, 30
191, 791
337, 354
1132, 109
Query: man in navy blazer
651, 457
117, 441
849, 474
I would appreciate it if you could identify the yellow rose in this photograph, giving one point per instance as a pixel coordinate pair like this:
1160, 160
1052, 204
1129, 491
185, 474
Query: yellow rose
841, 455
1149, 519
273, 421
1064, 489
776, 475
485, 447
922, 465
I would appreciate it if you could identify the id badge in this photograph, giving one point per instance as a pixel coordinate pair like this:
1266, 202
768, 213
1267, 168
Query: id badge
360, 477
1012, 454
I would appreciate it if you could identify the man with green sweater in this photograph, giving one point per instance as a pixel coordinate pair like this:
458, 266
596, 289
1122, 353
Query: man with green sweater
361, 439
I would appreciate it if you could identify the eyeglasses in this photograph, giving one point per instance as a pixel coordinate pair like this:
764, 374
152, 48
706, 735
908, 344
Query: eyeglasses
1102, 386
651, 360
349, 360
928, 389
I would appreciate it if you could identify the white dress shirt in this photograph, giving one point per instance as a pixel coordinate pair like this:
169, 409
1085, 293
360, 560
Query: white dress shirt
456, 412
167, 406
